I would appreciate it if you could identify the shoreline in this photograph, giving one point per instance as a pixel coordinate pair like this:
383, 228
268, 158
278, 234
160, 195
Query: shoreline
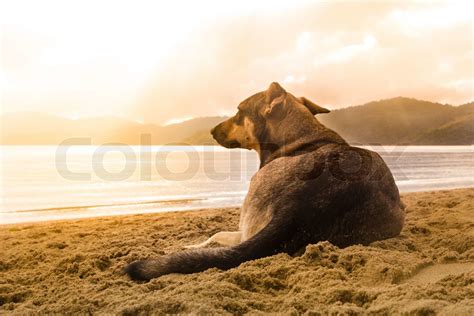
107, 217
196, 208
75, 266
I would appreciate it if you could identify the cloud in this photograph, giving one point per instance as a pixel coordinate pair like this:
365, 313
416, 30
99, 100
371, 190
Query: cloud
338, 54
205, 60
348, 52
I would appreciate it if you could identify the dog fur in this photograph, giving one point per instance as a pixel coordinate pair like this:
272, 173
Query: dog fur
311, 186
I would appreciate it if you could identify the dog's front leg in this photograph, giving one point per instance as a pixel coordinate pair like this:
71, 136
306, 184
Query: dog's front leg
222, 238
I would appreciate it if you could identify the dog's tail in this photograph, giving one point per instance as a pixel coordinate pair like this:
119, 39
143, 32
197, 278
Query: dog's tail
270, 240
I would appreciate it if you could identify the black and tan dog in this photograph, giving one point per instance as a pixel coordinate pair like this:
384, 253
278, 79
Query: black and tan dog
311, 186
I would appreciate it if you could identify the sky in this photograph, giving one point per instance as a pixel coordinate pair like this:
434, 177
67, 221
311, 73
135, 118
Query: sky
166, 61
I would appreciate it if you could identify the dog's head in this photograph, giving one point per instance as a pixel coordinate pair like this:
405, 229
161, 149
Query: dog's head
260, 117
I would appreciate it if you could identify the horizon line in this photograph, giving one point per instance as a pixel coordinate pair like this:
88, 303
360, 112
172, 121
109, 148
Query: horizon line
180, 120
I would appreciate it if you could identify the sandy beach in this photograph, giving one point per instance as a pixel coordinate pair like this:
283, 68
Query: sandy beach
76, 267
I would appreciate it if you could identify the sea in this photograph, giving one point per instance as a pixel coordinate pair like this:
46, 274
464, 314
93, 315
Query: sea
42, 183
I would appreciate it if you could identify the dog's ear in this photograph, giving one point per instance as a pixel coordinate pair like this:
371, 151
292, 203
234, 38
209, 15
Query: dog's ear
275, 98
313, 107
274, 91
275, 107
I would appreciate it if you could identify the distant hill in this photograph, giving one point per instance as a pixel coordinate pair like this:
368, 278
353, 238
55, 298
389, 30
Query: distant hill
394, 121
403, 121
456, 132
30, 128
202, 137
391, 121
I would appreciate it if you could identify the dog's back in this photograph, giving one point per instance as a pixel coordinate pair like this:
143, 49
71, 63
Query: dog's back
343, 194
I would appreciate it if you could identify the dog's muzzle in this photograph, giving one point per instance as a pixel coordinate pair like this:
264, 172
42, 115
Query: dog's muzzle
221, 138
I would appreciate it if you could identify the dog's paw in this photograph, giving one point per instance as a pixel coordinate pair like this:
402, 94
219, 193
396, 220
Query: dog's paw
136, 271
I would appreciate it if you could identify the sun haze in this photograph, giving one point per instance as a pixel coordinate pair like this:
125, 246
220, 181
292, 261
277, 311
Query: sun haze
162, 61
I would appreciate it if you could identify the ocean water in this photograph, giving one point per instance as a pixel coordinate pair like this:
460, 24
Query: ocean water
49, 182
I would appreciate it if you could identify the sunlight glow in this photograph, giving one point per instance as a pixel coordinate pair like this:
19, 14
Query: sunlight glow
162, 61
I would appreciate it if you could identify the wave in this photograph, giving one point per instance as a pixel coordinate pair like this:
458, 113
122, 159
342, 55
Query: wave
82, 207
165, 200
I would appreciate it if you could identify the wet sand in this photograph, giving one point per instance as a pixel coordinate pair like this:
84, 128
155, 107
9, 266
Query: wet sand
75, 267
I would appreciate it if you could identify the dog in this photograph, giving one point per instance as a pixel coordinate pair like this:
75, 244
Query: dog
311, 186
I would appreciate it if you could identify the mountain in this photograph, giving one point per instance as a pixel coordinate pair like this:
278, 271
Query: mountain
403, 121
456, 132
43, 129
394, 121
202, 137
180, 132
391, 121
31, 128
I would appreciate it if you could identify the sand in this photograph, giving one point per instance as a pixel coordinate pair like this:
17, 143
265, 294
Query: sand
75, 267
